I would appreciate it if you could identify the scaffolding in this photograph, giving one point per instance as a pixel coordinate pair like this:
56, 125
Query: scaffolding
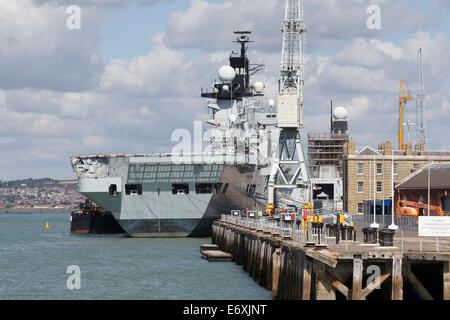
326, 150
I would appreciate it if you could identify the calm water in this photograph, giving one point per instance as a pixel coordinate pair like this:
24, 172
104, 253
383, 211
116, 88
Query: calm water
34, 261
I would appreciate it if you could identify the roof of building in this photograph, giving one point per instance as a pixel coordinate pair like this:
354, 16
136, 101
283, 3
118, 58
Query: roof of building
423, 153
368, 151
439, 174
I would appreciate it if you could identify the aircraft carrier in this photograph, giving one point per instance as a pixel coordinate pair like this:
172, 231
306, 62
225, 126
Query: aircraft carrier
181, 194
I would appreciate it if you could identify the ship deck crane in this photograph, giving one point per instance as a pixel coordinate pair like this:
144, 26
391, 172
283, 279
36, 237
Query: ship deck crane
289, 155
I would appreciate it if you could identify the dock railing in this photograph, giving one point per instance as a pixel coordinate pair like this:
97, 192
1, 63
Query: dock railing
295, 230
406, 237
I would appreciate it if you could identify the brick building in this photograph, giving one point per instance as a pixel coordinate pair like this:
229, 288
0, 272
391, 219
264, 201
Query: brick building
368, 173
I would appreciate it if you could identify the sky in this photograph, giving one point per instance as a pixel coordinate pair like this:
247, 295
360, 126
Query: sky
132, 72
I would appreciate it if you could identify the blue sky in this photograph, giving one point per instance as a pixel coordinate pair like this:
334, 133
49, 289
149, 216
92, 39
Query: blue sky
133, 73
126, 31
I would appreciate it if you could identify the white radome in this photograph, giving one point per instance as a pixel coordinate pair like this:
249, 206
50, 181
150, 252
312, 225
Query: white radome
232, 117
340, 113
227, 74
271, 102
259, 86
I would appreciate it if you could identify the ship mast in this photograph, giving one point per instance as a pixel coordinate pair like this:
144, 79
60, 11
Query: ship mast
290, 111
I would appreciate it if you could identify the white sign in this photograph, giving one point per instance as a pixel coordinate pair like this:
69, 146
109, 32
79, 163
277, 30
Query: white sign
434, 226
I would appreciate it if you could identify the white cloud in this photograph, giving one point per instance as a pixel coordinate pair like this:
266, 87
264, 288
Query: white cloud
37, 50
156, 73
98, 3
329, 22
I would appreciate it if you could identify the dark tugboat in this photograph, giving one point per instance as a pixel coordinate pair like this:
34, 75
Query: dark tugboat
92, 219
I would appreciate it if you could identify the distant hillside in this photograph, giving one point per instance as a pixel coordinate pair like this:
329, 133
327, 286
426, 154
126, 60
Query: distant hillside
31, 194
36, 183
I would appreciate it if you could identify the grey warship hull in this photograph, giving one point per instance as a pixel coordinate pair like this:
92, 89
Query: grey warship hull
161, 200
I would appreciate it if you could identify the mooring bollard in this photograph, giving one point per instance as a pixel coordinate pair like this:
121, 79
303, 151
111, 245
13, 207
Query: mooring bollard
318, 227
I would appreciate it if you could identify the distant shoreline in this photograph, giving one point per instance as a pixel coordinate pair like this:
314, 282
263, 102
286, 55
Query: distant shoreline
36, 210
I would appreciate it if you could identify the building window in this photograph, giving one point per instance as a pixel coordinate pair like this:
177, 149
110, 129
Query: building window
180, 188
360, 187
360, 208
420, 199
360, 168
133, 189
395, 168
379, 186
379, 168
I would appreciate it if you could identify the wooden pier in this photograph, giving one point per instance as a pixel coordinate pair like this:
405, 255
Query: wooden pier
293, 271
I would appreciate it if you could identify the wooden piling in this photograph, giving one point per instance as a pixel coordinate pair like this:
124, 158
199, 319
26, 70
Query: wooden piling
276, 263
307, 275
357, 278
446, 279
397, 278
324, 289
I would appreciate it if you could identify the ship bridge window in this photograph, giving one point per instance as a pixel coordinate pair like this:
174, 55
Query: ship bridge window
180, 188
133, 189
208, 188
113, 190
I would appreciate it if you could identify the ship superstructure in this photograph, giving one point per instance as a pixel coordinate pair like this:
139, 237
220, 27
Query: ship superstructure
181, 194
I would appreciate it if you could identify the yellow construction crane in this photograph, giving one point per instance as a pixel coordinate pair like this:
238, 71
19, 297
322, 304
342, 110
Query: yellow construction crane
403, 98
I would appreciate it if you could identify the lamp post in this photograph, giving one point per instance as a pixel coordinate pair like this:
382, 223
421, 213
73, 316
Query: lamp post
429, 182
374, 225
393, 226
382, 189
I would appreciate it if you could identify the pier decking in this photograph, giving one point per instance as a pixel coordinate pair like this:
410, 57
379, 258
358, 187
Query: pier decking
296, 270
212, 253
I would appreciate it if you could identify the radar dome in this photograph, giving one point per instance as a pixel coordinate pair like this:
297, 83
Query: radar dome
340, 113
259, 86
271, 102
227, 73
233, 117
